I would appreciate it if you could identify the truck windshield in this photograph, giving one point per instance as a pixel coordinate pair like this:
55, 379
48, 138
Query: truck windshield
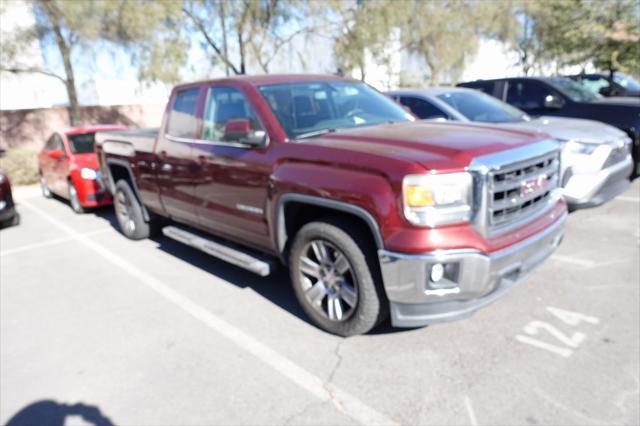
477, 106
626, 81
313, 108
82, 143
573, 90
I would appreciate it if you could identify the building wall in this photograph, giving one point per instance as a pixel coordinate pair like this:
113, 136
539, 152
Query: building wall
30, 128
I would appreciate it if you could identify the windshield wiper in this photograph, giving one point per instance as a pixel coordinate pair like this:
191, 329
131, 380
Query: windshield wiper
315, 133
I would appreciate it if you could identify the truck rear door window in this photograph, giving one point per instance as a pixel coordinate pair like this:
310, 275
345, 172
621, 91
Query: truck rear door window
422, 108
183, 122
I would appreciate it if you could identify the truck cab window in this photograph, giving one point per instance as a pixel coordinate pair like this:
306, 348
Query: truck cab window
422, 108
483, 86
527, 95
183, 122
224, 104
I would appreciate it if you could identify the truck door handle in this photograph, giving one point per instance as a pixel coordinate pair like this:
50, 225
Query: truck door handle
166, 167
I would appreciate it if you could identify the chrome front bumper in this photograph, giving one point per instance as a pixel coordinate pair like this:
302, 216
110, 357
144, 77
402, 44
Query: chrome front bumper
479, 278
592, 189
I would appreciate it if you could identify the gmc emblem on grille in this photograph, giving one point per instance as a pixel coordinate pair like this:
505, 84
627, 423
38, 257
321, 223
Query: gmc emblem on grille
533, 185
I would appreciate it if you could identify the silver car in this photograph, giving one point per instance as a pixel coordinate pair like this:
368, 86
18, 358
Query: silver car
596, 158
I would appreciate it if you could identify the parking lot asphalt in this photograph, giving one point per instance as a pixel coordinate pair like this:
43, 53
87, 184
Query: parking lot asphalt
97, 328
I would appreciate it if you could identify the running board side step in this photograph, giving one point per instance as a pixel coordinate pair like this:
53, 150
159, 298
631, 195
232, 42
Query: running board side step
243, 259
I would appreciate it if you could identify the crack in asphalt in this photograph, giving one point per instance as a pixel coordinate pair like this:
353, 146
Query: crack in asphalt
305, 408
327, 387
336, 353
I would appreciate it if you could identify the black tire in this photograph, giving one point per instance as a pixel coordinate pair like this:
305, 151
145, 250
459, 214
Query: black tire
14, 221
44, 187
129, 213
74, 200
341, 237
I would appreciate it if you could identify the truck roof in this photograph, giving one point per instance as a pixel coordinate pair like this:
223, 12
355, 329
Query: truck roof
256, 80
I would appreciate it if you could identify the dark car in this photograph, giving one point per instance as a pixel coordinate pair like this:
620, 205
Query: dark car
565, 98
606, 85
8, 214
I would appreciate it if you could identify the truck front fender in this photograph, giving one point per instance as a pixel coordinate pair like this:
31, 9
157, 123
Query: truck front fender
360, 193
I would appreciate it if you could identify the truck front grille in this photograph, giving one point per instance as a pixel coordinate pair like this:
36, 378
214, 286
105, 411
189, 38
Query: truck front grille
520, 189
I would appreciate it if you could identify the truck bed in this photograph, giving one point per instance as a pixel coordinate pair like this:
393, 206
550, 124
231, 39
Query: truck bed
127, 142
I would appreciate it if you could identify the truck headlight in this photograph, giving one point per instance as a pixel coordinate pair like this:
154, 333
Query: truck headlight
433, 200
578, 147
89, 174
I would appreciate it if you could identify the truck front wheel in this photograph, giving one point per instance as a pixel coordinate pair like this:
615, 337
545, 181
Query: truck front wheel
129, 212
335, 279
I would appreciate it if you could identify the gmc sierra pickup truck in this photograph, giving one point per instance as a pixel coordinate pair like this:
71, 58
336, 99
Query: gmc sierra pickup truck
373, 212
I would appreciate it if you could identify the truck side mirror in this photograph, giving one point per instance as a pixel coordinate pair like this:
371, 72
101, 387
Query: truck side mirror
553, 102
240, 130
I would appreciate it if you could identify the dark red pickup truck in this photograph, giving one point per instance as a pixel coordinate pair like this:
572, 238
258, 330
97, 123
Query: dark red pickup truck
373, 212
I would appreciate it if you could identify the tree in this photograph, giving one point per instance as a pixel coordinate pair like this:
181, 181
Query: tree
364, 26
445, 33
70, 27
52, 24
241, 31
525, 43
578, 31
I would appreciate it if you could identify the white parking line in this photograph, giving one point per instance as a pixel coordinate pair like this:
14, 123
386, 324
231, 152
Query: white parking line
470, 412
574, 260
50, 242
342, 400
630, 199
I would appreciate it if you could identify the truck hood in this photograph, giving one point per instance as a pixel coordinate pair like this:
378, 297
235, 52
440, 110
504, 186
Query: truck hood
571, 128
434, 145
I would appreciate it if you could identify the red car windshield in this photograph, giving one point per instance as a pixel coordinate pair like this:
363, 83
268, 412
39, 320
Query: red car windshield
82, 143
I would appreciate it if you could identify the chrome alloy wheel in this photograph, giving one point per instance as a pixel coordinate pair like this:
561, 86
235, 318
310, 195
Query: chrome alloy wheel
73, 198
46, 192
124, 211
328, 281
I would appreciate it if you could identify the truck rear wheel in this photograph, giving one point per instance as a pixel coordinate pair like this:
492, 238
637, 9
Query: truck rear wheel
335, 279
129, 213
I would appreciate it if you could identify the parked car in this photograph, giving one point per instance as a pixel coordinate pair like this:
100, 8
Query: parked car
606, 85
371, 211
8, 214
596, 158
69, 168
565, 98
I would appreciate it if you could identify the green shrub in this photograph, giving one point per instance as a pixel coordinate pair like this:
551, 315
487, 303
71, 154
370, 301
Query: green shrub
21, 165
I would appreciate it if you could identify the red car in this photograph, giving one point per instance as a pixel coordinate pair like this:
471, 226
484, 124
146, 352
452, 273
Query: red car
68, 167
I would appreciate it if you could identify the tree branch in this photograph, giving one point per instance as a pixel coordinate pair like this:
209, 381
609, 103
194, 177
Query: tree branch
198, 23
16, 70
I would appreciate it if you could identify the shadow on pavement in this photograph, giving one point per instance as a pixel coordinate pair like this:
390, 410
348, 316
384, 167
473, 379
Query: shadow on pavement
276, 288
51, 413
106, 213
